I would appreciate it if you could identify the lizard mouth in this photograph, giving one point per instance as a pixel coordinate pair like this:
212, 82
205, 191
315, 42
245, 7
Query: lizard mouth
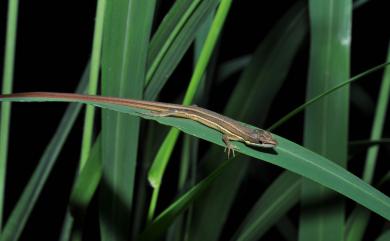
268, 144
271, 143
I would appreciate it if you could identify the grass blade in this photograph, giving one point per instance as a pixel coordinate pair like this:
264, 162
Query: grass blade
326, 122
359, 218
89, 114
157, 169
93, 81
179, 41
287, 155
159, 164
179, 229
324, 94
22, 210
8, 73
379, 121
87, 181
126, 40
174, 21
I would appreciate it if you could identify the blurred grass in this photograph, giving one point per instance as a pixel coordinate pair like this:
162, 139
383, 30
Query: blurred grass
5, 115
384, 236
230, 67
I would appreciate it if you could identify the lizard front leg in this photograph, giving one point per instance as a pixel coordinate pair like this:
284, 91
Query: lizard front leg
229, 146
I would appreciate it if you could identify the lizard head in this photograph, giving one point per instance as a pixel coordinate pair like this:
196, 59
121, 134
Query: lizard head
262, 138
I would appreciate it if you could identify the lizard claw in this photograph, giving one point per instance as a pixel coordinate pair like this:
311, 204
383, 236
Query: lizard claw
229, 148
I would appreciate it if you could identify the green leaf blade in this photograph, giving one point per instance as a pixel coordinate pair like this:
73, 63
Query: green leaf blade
93, 82
287, 155
159, 164
181, 41
8, 76
326, 122
125, 43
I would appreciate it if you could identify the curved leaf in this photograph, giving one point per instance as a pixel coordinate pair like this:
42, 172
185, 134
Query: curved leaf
287, 154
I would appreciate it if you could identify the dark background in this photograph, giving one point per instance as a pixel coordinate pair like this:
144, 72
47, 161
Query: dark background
54, 42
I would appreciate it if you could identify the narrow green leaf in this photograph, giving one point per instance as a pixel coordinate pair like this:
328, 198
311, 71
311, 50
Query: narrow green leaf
324, 94
159, 164
126, 40
207, 50
87, 181
93, 81
326, 122
179, 229
287, 155
22, 210
153, 139
279, 197
5, 115
359, 218
177, 232
377, 127
89, 113
177, 17
181, 38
